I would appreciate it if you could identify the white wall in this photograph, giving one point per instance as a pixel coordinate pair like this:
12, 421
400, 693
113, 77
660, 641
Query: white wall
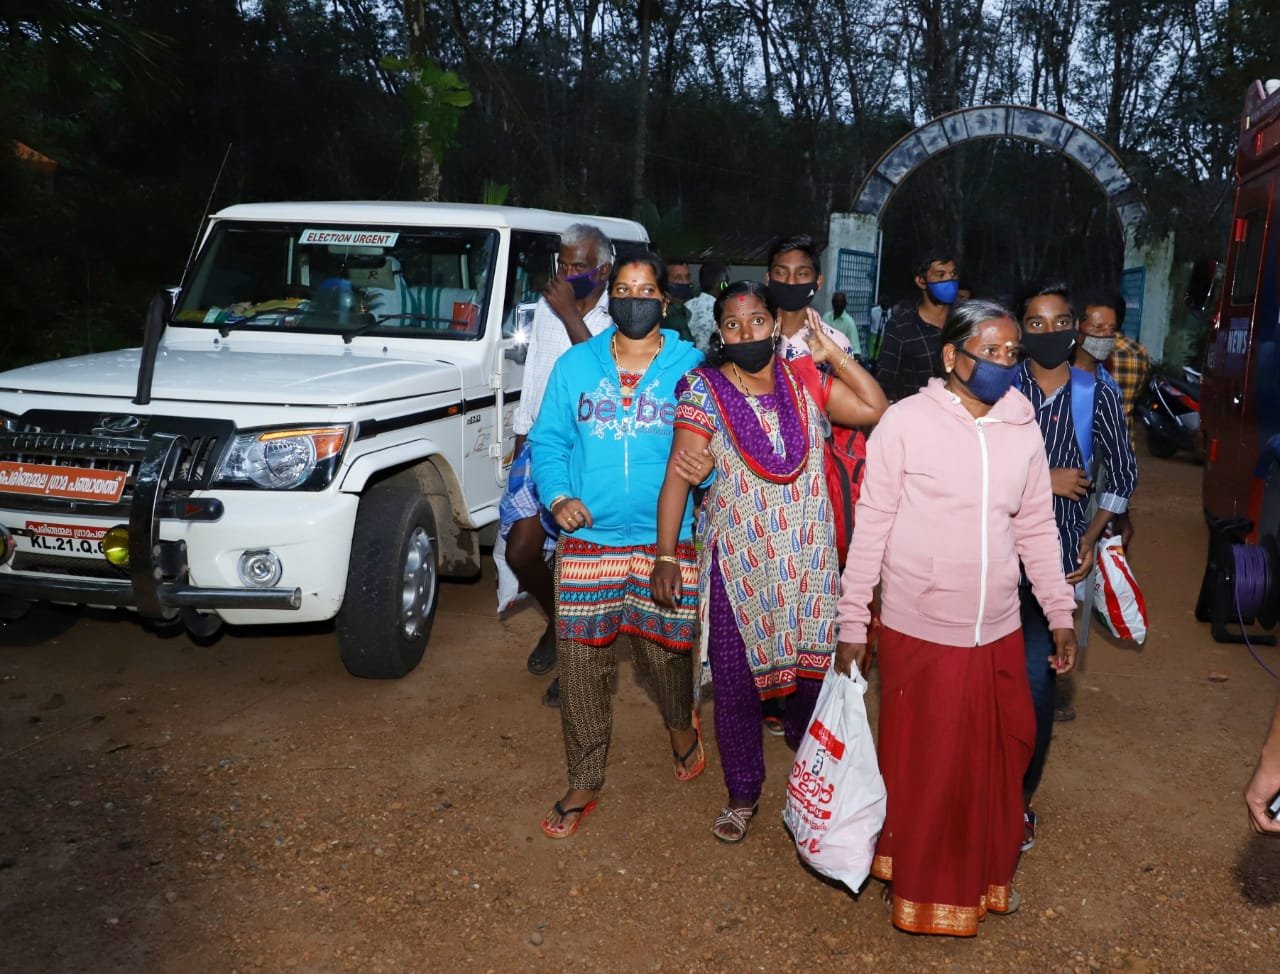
1156, 256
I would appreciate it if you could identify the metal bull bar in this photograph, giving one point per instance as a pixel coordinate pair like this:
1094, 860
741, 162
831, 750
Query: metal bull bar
157, 585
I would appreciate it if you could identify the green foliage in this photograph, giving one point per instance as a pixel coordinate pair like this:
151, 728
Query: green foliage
667, 231
434, 97
138, 141
757, 125
494, 194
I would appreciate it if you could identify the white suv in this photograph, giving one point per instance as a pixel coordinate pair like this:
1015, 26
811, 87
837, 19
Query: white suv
320, 426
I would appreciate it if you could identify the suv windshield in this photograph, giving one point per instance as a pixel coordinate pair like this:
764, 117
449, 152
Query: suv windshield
388, 281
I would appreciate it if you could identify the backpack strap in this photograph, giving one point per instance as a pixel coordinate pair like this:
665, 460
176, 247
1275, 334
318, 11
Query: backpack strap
1083, 407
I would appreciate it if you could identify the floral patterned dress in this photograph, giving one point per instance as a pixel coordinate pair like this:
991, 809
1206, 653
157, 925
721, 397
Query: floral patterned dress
766, 524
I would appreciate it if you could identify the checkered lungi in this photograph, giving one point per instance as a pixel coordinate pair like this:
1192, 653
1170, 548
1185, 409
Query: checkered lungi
520, 500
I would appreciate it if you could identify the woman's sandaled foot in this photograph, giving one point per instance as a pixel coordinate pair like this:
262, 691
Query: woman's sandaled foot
690, 760
731, 825
567, 814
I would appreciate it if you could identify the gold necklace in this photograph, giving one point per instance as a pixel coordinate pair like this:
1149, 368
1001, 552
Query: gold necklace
613, 351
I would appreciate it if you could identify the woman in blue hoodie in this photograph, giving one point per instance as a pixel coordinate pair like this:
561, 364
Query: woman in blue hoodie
600, 447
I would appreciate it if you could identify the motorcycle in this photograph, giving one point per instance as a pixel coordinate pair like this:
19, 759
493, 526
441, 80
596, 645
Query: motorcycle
1170, 410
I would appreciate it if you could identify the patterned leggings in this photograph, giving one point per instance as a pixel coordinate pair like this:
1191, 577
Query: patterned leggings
586, 700
737, 702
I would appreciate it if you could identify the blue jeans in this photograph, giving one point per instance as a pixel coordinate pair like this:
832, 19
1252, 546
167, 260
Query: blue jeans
1039, 643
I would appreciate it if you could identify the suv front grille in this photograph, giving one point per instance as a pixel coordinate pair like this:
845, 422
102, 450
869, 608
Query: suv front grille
96, 442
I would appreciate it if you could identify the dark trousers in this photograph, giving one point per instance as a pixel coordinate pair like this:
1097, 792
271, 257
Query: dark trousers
1040, 675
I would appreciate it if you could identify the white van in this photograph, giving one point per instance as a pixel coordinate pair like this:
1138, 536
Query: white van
319, 427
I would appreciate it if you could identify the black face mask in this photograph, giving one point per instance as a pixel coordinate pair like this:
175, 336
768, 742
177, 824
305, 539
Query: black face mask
1048, 348
751, 357
680, 292
792, 297
635, 317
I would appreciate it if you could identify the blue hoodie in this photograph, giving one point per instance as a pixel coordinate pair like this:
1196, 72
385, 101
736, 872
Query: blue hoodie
585, 445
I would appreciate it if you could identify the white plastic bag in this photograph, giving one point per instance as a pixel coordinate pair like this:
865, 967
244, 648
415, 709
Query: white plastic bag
835, 796
1116, 594
508, 585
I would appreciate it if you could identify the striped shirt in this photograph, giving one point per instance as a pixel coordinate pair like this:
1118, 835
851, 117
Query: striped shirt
1110, 448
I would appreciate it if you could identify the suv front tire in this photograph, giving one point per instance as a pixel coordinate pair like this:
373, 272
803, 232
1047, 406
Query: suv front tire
393, 584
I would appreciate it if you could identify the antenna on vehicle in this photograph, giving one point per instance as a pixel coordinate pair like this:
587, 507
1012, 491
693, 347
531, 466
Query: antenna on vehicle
204, 217
161, 306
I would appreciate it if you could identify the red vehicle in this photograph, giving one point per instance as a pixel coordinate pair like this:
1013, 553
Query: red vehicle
1240, 399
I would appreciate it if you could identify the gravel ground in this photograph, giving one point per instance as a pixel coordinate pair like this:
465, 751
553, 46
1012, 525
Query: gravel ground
248, 806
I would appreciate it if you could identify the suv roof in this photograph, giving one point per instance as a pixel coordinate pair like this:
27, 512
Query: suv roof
431, 214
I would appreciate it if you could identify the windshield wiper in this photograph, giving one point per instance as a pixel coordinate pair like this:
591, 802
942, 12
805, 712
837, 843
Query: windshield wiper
383, 319
227, 327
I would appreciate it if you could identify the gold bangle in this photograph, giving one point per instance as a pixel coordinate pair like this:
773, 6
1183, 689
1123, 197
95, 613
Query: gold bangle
843, 362
668, 559
556, 500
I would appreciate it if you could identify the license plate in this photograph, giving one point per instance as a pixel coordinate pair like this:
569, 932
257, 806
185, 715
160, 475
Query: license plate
70, 539
71, 483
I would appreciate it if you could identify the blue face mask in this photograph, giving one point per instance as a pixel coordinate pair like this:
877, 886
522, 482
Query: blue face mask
988, 381
944, 292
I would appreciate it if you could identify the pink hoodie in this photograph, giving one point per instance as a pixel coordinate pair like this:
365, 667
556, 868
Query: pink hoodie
948, 506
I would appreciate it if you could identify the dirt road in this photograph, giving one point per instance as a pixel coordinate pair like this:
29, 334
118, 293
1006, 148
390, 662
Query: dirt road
248, 806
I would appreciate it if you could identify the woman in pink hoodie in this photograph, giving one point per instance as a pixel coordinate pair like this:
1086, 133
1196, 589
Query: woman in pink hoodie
956, 493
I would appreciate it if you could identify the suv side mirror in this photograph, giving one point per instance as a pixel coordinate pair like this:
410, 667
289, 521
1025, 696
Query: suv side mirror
515, 333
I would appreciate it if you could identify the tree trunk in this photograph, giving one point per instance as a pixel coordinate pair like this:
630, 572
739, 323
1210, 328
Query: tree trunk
428, 166
642, 110
415, 18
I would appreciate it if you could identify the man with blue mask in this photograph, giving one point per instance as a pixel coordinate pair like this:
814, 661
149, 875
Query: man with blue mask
909, 351
574, 306
1082, 423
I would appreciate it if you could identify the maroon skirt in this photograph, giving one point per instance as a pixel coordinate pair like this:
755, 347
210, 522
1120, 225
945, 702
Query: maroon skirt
955, 736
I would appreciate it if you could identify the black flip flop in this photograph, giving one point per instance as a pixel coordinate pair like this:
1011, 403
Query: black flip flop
543, 658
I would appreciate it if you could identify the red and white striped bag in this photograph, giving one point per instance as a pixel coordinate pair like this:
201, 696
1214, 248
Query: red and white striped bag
1116, 595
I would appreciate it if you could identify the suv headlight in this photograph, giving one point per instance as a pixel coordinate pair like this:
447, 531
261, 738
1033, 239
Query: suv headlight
283, 459
8, 423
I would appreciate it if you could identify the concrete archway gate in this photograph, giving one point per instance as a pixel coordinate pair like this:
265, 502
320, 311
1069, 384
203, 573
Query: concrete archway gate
852, 259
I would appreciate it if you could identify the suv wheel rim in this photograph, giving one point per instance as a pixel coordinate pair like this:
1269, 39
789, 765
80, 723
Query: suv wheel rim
419, 590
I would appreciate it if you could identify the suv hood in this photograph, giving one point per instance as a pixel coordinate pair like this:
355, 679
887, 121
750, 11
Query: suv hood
277, 375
